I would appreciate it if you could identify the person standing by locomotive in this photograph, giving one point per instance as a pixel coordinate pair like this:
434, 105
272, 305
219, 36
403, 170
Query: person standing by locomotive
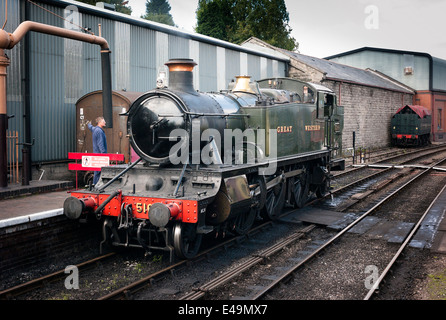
99, 141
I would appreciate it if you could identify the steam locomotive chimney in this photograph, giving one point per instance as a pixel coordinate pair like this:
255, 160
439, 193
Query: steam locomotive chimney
181, 75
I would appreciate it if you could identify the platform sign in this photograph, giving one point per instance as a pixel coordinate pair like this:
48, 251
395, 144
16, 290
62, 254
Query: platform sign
92, 161
95, 161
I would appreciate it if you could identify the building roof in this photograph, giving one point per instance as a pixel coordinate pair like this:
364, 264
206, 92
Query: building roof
340, 72
419, 110
378, 50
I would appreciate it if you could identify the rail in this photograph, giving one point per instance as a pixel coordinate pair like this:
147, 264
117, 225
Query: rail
375, 286
204, 289
39, 282
291, 270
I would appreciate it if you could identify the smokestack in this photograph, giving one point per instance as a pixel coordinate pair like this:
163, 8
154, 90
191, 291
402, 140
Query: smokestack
181, 75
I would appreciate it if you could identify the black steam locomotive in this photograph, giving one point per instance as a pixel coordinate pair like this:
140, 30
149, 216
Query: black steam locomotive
411, 126
214, 162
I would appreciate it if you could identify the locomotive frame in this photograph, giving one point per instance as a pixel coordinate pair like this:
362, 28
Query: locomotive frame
156, 204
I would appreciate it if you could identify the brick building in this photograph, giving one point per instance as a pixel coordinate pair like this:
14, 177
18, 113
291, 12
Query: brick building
419, 70
369, 97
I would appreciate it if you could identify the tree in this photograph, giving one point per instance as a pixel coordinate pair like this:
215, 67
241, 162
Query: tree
120, 5
218, 23
238, 20
158, 11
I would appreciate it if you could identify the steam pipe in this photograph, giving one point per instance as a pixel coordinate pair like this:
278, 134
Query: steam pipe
9, 40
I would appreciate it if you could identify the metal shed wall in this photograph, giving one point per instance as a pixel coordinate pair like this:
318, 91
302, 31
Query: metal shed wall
62, 70
14, 77
392, 65
439, 74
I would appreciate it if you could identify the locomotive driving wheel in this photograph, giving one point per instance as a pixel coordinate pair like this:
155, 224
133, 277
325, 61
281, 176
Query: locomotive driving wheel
275, 200
186, 240
300, 187
244, 221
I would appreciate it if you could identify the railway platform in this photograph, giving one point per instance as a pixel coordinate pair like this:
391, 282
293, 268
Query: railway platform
38, 200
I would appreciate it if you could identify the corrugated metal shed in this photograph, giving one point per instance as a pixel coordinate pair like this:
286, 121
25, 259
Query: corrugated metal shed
61, 70
15, 85
418, 70
438, 74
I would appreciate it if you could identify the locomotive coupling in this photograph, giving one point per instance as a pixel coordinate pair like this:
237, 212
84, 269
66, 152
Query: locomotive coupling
74, 207
160, 213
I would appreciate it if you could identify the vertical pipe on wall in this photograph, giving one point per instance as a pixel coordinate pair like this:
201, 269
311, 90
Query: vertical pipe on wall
106, 88
4, 63
27, 102
340, 91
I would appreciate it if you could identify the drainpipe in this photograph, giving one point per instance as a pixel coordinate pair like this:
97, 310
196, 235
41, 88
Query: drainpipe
340, 92
9, 40
4, 63
107, 108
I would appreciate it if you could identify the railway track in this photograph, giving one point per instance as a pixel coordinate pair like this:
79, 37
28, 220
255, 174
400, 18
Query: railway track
276, 279
249, 263
394, 160
34, 284
131, 289
400, 250
128, 291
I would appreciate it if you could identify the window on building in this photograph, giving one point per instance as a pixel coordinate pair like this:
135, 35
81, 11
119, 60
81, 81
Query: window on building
440, 119
408, 64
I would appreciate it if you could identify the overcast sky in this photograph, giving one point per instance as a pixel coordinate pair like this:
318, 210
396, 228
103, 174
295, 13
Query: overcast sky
327, 27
